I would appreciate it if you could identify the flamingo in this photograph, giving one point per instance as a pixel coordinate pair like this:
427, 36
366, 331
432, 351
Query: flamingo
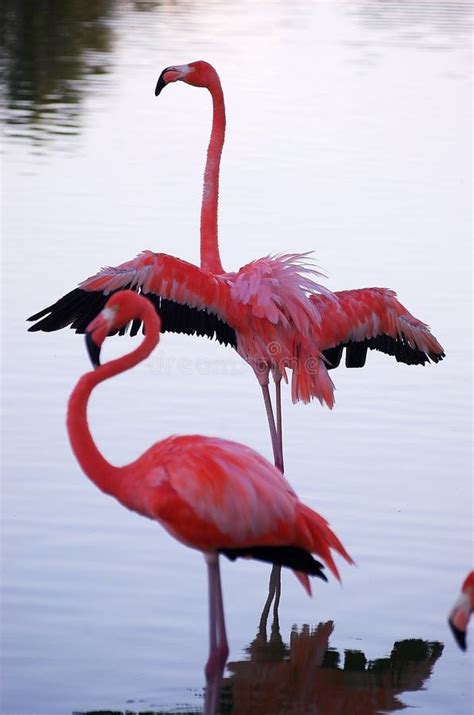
462, 610
214, 495
272, 311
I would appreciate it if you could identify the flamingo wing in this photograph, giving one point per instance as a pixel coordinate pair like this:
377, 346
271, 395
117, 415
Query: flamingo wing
188, 299
372, 319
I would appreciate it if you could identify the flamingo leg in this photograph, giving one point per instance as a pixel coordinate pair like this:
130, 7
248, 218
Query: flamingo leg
276, 433
279, 419
277, 455
275, 573
218, 647
277, 570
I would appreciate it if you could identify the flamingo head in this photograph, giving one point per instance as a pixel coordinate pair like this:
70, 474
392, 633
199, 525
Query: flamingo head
199, 74
120, 309
461, 611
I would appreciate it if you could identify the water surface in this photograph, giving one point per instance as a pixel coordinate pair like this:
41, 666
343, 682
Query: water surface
348, 134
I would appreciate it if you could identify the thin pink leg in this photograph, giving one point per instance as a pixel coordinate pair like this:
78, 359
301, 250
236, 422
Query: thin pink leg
277, 456
218, 647
274, 586
276, 570
279, 419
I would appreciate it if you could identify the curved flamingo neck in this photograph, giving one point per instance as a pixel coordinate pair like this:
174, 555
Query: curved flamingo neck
105, 476
210, 258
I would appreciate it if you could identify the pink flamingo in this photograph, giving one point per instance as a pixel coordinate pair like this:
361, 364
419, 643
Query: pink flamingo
211, 494
271, 310
462, 610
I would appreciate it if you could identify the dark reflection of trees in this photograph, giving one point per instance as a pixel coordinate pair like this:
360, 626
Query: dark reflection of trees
308, 676
148, 5
49, 50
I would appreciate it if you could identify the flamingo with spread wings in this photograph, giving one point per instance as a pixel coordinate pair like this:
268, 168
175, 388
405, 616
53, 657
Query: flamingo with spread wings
213, 495
272, 311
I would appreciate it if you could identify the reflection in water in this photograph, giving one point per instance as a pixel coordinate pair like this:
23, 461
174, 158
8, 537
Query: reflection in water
53, 52
307, 676
49, 50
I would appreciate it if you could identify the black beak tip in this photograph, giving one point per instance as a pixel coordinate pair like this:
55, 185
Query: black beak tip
459, 636
160, 84
94, 350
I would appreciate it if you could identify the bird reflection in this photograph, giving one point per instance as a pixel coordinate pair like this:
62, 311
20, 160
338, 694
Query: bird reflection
307, 676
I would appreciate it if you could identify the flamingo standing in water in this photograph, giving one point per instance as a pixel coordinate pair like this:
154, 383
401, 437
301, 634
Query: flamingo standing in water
213, 495
462, 611
271, 310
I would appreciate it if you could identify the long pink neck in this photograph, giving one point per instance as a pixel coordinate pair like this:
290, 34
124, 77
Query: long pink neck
106, 476
210, 259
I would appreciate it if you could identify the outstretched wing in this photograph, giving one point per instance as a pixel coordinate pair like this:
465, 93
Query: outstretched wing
188, 299
372, 319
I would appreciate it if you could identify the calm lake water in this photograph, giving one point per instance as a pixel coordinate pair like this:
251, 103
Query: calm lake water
348, 134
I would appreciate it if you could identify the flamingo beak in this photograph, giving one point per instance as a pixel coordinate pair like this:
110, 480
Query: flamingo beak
161, 82
97, 331
172, 74
459, 618
459, 635
93, 349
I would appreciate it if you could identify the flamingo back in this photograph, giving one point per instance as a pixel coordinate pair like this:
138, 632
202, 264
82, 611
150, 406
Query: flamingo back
277, 289
275, 298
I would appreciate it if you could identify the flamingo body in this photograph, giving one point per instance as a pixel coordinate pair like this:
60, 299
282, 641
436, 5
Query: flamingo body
216, 495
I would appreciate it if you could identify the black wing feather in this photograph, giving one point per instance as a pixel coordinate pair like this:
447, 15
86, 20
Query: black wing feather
399, 348
79, 307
